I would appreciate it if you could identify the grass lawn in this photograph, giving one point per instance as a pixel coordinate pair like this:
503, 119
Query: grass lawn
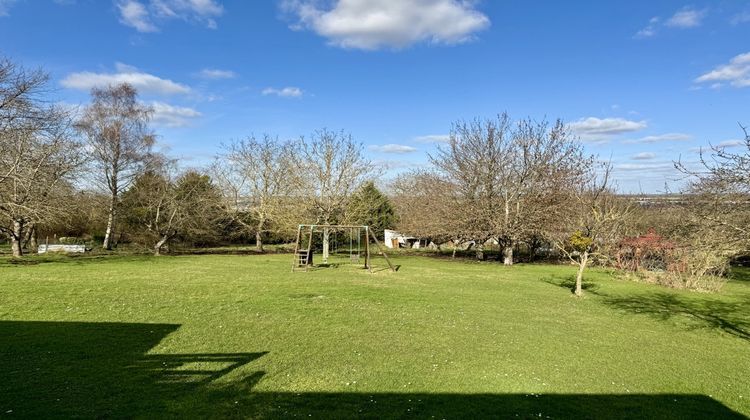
241, 336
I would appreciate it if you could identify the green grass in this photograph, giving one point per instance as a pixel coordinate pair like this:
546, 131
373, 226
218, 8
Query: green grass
241, 336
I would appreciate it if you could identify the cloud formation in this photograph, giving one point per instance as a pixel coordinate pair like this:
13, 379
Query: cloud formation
143, 82
134, 14
650, 29
376, 24
286, 92
392, 148
660, 138
144, 16
726, 144
736, 73
600, 130
172, 116
686, 18
643, 156
5, 7
433, 138
217, 74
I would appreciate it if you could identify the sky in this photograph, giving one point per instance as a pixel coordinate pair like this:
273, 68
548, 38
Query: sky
641, 83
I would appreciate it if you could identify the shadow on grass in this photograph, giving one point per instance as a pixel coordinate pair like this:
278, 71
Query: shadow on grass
569, 283
731, 317
79, 259
93, 370
741, 274
74, 369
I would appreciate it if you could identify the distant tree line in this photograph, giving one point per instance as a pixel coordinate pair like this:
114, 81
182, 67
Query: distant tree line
95, 174
520, 184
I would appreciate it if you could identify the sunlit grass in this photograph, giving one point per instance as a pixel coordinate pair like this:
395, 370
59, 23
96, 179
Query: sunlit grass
243, 336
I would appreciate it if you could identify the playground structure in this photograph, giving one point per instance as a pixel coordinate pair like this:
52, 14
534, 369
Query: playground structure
332, 241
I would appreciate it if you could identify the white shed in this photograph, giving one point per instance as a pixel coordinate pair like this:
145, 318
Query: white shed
393, 239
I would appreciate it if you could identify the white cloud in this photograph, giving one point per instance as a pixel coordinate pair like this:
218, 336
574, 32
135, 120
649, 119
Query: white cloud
217, 74
172, 116
143, 82
650, 30
433, 138
731, 143
375, 24
5, 7
392, 148
650, 168
134, 14
287, 92
736, 73
643, 156
683, 19
686, 18
660, 138
143, 15
601, 129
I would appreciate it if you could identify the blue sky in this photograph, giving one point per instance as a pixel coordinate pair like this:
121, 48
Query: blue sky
642, 82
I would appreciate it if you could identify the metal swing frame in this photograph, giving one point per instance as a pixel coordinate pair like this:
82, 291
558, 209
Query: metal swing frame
303, 260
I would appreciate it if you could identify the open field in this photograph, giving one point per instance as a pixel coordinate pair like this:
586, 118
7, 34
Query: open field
241, 336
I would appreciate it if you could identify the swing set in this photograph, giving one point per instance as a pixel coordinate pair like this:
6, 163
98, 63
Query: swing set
312, 239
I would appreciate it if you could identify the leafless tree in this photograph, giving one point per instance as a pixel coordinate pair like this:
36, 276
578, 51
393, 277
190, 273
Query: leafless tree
430, 206
256, 177
715, 204
592, 222
329, 167
115, 126
38, 154
511, 176
719, 192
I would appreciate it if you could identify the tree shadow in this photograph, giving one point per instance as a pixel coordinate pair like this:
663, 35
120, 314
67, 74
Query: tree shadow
569, 282
95, 370
75, 259
740, 274
730, 317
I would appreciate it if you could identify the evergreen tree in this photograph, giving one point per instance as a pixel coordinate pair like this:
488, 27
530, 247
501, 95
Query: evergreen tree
369, 206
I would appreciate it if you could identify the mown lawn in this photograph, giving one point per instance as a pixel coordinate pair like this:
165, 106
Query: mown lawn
241, 336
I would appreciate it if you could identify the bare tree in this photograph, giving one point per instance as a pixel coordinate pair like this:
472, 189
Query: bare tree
331, 166
257, 179
430, 206
511, 176
119, 142
38, 154
718, 193
592, 222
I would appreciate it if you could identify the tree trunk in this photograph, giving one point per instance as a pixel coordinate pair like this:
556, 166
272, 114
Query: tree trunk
480, 252
258, 242
160, 244
33, 241
326, 237
579, 277
16, 237
259, 236
108, 236
508, 255
455, 247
